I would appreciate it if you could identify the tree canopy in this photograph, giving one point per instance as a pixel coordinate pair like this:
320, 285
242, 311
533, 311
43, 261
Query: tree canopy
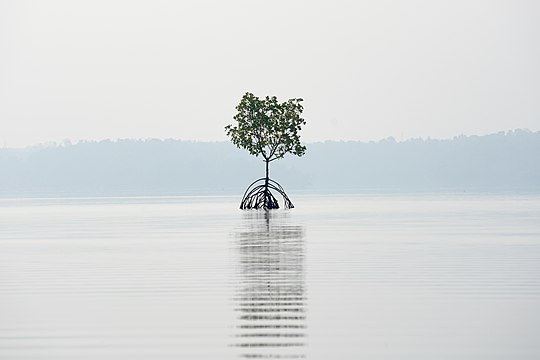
268, 128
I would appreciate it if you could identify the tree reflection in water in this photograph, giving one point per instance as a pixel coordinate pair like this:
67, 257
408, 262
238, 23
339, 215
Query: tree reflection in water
271, 298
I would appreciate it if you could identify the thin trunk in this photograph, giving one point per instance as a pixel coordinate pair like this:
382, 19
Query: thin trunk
266, 191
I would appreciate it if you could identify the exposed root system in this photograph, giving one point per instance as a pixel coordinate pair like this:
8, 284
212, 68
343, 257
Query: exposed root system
259, 196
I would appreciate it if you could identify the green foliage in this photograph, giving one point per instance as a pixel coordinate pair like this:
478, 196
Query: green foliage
268, 128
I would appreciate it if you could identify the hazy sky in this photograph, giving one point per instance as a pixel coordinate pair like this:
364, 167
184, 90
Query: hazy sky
366, 69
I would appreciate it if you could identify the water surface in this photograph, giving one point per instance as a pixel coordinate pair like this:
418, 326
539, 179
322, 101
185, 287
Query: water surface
445, 276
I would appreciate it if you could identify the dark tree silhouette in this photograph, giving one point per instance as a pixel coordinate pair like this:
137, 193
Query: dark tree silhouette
267, 128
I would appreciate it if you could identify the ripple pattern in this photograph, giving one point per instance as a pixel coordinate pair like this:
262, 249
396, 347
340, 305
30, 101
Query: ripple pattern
271, 297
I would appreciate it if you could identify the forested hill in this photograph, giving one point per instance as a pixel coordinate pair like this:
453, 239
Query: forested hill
499, 162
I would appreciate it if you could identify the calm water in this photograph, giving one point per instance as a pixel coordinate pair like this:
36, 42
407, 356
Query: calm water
361, 277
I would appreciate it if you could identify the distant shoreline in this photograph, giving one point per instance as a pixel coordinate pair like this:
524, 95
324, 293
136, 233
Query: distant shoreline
502, 162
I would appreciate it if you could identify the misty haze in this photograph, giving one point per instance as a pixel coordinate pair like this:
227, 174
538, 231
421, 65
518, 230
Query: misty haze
270, 180
498, 162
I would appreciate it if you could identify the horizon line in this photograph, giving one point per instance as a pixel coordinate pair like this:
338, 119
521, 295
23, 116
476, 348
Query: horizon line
68, 142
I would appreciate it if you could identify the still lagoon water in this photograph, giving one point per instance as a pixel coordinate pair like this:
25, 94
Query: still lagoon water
430, 276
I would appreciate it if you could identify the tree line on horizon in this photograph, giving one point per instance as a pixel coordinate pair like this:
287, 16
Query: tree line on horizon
501, 161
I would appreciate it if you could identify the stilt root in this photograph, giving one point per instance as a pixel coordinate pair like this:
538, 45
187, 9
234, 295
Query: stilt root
258, 196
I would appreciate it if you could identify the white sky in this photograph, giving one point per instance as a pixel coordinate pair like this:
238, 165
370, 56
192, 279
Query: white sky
366, 69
